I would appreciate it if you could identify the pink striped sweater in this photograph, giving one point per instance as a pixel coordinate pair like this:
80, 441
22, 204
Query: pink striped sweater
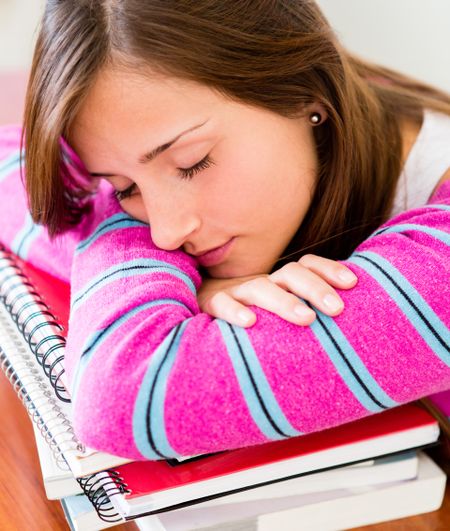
154, 377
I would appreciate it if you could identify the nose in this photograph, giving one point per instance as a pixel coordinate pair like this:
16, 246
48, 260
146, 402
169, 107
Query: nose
171, 229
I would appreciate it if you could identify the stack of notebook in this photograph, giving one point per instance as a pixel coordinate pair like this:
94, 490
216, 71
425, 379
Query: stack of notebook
246, 488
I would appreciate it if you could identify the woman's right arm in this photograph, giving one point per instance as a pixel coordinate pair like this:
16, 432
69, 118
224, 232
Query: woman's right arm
153, 377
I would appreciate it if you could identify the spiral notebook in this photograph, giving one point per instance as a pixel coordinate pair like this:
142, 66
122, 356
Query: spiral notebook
402, 467
32, 342
151, 487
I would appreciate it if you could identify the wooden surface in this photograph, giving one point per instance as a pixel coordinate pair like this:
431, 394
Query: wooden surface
23, 505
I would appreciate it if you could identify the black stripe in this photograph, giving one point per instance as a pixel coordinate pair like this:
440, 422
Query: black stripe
261, 402
100, 230
378, 232
103, 332
347, 362
413, 305
152, 391
97, 339
131, 268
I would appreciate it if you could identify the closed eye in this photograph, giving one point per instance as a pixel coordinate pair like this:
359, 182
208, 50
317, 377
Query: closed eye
184, 173
188, 173
120, 195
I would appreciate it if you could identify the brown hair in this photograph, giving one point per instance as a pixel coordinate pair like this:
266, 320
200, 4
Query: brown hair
277, 55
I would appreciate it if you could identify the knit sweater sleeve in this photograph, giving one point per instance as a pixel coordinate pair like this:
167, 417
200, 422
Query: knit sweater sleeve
151, 376
18, 232
154, 377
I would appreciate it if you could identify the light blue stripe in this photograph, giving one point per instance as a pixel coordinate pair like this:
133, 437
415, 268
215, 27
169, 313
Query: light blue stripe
162, 361
263, 385
118, 221
254, 405
403, 303
403, 227
34, 234
25, 237
115, 272
438, 207
91, 344
355, 361
9, 165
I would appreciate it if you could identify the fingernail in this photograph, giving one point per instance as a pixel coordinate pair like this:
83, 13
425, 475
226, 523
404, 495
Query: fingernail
303, 311
245, 317
347, 276
332, 302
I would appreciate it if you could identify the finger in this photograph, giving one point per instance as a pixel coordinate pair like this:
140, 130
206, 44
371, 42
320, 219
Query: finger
335, 273
224, 306
264, 293
309, 286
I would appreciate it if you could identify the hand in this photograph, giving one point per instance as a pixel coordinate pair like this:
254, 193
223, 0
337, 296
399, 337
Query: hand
312, 278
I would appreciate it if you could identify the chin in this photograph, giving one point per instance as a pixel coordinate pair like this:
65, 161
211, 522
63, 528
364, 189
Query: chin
226, 271
221, 272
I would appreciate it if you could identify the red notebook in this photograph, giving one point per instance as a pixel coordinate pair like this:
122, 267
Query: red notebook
55, 292
156, 486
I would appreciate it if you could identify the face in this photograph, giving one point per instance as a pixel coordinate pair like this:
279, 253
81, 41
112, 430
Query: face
201, 169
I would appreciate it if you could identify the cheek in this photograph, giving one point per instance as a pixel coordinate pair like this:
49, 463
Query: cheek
253, 190
232, 192
263, 185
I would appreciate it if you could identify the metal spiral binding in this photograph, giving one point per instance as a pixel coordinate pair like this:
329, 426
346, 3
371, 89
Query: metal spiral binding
39, 347
61, 421
99, 488
56, 426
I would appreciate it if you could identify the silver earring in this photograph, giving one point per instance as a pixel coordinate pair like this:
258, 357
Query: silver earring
315, 118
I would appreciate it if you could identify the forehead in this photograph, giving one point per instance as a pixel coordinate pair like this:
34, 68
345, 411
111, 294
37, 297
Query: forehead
120, 101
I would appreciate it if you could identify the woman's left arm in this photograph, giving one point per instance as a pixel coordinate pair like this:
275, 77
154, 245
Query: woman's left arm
154, 377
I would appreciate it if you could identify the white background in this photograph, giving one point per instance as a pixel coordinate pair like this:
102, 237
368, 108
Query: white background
410, 35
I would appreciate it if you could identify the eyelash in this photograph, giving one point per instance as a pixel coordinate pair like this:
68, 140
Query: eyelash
184, 173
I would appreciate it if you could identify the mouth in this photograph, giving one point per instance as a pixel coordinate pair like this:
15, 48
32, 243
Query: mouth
216, 255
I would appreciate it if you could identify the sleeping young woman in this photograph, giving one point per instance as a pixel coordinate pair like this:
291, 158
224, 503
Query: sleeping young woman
255, 223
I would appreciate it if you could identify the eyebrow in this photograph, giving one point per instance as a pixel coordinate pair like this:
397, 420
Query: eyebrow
151, 155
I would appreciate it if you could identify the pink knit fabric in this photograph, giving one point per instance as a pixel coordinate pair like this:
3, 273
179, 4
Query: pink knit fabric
153, 377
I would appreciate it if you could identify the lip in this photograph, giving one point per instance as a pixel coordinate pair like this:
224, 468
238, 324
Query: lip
216, 255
